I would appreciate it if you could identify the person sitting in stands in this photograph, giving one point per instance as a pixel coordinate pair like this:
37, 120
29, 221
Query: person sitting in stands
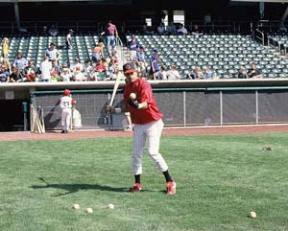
20, 63
161, 29
55, 72
30, 72
66, 74
53, 31
242, 73
4, 70
14, 76
181, 30
97, 53
254, 72
173, 74
208, 73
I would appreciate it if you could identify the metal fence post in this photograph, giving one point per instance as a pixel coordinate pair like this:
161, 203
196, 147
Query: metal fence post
256, 107
184, 108
221, 108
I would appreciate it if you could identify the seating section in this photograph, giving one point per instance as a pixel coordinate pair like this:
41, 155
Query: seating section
224, 53
34, 47
281, 41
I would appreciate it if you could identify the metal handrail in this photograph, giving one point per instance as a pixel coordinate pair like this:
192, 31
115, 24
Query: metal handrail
262, 36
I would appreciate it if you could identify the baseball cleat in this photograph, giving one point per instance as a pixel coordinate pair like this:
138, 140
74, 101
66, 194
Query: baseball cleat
171, 188
136, 188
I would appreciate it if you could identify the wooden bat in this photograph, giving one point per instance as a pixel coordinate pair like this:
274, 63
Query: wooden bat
115, 88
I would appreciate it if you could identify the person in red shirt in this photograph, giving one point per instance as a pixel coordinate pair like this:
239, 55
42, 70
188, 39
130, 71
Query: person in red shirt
148, 125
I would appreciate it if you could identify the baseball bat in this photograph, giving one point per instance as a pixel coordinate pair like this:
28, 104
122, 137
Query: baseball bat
115, 88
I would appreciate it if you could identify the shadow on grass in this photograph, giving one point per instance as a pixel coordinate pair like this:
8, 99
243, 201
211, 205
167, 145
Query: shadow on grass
73, 188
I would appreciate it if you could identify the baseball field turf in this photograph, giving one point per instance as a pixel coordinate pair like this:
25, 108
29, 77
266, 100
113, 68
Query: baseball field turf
220, 180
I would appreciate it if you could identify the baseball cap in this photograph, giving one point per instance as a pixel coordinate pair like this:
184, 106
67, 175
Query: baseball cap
129, 68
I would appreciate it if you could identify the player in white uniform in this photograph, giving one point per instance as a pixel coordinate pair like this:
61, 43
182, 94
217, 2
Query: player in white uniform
66, 106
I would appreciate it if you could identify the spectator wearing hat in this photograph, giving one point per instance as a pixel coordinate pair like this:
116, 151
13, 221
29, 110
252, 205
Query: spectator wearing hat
69, 39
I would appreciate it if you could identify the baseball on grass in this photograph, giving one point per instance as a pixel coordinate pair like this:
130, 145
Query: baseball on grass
76, 206
89, 210
132, 95
252, 214
111, 206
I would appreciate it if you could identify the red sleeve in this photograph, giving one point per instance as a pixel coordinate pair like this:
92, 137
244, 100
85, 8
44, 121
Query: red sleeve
145, 92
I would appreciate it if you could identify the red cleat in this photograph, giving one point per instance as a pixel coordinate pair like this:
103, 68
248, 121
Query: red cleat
136, 188
171, 188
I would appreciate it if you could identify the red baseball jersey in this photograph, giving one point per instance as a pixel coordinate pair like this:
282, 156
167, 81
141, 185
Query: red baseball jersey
143, 92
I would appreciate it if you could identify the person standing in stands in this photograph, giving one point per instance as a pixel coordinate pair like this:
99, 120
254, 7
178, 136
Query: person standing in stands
111, 35
5, 48
69, 39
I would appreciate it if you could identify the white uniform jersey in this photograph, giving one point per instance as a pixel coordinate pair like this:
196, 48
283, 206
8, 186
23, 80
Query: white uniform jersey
66, 103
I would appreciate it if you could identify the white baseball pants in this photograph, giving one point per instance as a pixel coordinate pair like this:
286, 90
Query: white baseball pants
66, 119
152, 133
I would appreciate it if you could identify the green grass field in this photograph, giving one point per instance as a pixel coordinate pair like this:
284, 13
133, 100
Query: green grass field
219, 178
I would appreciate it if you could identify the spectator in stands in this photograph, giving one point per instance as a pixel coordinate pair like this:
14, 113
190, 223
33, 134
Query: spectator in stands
254, 72
111, 33
141, 60
133, 46
45, 68
77, 66
5, 48
171, 29
172, 73
195, 30
69, 39
4, 70
97, 53
52, 53
66, 74
161, 29
53, 31
44, 31
55, 71
196, 73
30, 72
242, 73
155, 64
77, 70
140, 55
208, 73
163, 73
14, 76
114, 58
20, 62
181, 30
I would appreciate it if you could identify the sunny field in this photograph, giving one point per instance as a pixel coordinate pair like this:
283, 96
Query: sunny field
220, 180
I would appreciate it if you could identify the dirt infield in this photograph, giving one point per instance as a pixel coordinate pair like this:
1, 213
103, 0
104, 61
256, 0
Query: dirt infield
194, 131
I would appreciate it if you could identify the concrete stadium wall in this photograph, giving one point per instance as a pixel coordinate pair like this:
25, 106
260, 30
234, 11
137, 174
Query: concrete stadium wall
184, 103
